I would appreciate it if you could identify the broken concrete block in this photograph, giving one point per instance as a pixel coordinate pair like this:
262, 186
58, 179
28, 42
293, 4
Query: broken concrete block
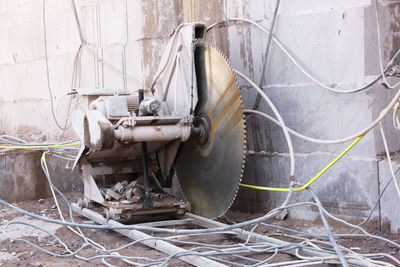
282, 215
129, 193
118, 187
113, 194
132, 184
136, 199
103, 191
137, 192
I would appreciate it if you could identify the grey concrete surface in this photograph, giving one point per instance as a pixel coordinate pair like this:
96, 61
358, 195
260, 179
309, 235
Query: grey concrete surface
335, 40
22, 177
390, 211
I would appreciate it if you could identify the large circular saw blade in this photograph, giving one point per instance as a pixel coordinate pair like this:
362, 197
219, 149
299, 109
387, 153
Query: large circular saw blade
209, 171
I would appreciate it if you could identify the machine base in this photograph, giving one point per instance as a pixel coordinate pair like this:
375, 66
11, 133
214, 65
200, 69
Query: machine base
117, 210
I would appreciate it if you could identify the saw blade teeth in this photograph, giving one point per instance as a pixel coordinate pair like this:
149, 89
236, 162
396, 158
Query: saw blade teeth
244, 128
240, 161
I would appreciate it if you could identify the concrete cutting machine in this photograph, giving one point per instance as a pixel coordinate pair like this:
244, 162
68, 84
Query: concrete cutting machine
189, 123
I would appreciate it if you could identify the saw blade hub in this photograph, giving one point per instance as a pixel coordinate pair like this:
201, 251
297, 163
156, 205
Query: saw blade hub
202, 129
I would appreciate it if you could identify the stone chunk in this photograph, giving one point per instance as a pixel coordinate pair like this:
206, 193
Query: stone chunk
113, 194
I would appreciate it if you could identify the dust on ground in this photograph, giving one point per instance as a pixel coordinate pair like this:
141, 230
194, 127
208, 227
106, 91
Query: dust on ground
18, 253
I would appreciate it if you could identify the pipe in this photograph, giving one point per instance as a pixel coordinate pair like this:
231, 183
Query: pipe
152, 133
148, 201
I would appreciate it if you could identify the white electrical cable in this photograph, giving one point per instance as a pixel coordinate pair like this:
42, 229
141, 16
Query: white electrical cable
182, 242
389, 160
349, 138
124, 258
293, 132
59, 209
138, 84
338, 251
296, 63
79, 232
396, 123
351, 254
175, 36
279, 117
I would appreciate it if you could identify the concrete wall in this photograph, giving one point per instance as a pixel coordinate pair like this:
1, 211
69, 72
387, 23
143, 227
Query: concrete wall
22, 177
336, 41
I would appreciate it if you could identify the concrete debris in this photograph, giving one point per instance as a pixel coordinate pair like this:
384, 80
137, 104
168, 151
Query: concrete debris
132, 184
19, 230
137, 192
394, 71
282, 215
118, 188
127, 192
112, 194
135, 199
43, 211
8, 256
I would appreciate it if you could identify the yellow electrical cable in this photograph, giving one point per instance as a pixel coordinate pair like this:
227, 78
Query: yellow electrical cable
39, 147
313, 179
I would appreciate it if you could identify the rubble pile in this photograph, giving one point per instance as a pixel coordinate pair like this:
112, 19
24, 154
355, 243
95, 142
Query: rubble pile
127, 192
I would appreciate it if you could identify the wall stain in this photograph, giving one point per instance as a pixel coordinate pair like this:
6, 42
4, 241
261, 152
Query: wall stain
392, 41
30, 133
22, 178
158, 27
157, 16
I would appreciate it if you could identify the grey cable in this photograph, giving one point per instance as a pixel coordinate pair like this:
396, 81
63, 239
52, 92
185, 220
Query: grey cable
361, 229
328, 229
377, 202
103, 256
17, 141
175, 231
177, 255
266, 260
281, 46
303, 234
53, 113
266, 53
275, 210
78, 24
155, 229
